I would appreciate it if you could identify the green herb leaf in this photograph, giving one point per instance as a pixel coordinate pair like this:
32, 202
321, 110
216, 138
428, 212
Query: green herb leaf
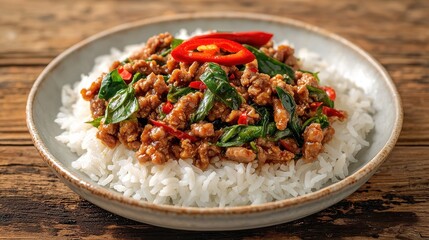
136, 77
176, 42
320, 96
265, 115
204, 108
271, 66
96, 122
121, 106
217, 82
238, 135
175, 93
111, 84
294, 123
321, 118
281, 134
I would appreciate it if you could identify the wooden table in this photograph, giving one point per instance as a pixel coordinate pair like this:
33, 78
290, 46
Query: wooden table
393, 204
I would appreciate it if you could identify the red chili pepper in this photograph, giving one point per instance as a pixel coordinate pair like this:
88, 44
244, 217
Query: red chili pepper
177, 133
197, 85
124, 74
315, 105
256, 39
242, 119
209, 50
168, 106
331, 112
231, 76
287, 146
330, 92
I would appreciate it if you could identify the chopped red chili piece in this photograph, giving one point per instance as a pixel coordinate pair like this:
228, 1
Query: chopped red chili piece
256, 39
330, 92
331, 112
231, 76
212, 50
197, 85
168, 106
242, 119
177, 133
315, 105
124, 73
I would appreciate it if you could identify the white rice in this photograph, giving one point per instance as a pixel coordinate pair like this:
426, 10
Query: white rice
224, 183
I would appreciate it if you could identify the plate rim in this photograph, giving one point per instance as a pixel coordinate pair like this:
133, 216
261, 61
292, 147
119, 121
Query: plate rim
95, 189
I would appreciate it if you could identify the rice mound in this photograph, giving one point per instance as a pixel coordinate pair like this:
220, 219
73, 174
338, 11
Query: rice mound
224, 183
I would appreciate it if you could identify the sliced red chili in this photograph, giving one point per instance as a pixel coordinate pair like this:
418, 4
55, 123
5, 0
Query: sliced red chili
197, 85
221, 51
177, 133
124, 74
168, 106
331, 112
242, 119
330, 92
253, 38
315, 105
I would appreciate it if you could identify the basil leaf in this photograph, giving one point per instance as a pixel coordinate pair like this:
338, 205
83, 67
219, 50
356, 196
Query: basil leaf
111, 84
271, 66
265, 118
320, 96
96, 122
322, 119
204, 108
281, 134
175, 93
174, 43
289, 104
238, 135
136, 77
121, 106
217, 82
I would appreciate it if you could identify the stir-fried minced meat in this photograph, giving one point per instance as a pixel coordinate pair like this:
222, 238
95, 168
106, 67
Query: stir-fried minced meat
129, 134
165, 109
97, 106
240, 154
202, 130
281, 116
180, 115
313, 137
107, 133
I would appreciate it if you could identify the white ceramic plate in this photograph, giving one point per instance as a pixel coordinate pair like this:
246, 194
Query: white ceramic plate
350, 61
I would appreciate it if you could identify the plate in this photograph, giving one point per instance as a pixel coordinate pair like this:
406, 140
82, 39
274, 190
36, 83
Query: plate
352, 62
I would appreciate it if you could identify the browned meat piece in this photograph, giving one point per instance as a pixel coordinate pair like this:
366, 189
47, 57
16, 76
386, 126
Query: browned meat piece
281, 116
285, 54
97, 106
145, 67
189, 150
107, 134
268, 49
202, 130
240, 154
313, 137
183, 109
92, 91
184, 75
129, 134
307, 79
259, 84
219, 111
151, 82
206, 151
114, 65
290, 145
155, 145
272, 152
328, 134
153, 45
147, 104
278, 81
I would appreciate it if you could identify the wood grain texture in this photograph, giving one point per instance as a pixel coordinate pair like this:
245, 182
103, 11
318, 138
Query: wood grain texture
393, 204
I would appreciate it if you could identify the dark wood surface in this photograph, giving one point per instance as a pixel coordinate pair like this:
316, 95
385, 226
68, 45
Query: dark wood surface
393, 204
